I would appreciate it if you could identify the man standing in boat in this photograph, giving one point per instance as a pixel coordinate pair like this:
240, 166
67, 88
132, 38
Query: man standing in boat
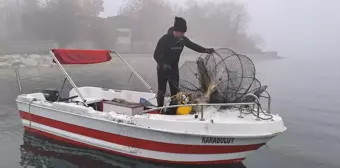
167, 55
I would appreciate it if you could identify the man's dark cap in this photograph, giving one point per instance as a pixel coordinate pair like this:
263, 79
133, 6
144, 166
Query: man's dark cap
180, 25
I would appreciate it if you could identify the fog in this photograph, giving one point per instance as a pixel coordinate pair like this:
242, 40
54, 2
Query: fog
293, 28
304, 87
304, 28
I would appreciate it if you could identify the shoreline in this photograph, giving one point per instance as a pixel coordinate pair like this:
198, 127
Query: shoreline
11, 61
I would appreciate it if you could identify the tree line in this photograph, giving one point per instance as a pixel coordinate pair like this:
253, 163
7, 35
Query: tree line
221, 24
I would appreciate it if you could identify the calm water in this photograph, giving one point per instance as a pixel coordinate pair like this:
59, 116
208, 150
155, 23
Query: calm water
306, 93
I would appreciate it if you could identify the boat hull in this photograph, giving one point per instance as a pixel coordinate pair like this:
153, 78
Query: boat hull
135, 142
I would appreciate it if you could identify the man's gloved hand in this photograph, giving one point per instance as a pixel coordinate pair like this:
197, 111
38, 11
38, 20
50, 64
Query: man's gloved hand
167, 68
209, 50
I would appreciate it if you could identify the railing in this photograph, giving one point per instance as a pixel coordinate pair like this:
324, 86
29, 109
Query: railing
268, 97
241, 106
259, 108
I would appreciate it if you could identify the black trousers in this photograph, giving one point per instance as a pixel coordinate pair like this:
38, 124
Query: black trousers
167, 77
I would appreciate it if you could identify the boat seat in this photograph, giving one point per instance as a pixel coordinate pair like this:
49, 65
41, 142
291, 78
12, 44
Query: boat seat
38, 96
89, 100
93, 94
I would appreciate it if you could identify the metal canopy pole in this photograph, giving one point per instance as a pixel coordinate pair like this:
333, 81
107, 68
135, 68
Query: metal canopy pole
69, 78
134, 71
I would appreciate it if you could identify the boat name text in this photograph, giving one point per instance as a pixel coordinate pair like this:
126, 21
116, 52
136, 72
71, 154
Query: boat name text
215, 140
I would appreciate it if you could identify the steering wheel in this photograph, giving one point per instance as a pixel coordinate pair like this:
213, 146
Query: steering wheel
66, 99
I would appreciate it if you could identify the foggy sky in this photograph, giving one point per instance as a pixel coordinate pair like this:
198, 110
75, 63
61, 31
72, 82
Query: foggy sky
294, 28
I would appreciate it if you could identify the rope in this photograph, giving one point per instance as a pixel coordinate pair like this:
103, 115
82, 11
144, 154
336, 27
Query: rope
252, 111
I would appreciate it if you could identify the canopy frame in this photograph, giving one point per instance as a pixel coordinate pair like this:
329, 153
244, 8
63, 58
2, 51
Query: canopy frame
76, 87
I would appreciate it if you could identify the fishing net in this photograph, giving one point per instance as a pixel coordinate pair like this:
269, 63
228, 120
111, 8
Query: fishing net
221, 77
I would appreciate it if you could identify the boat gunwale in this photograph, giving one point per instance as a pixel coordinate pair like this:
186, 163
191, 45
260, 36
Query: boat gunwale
268, 135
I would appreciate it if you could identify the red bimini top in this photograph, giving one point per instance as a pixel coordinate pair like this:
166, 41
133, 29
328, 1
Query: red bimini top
77, 56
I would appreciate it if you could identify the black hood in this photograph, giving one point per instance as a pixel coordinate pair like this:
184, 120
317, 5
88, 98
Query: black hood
170, 30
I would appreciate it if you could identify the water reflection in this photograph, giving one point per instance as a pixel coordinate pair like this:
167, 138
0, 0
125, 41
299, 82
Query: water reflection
40, 152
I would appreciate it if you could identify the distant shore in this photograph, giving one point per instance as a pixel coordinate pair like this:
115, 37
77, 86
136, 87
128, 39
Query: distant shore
45, 60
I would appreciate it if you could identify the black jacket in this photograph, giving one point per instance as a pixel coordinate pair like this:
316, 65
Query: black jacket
169, 49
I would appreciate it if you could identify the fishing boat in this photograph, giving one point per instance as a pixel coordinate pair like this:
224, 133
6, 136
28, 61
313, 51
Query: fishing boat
128, 123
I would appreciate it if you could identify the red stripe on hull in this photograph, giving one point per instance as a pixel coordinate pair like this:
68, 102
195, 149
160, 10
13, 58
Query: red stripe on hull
139, 143
51, 136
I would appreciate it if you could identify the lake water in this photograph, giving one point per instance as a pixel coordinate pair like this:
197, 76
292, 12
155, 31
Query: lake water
306, 93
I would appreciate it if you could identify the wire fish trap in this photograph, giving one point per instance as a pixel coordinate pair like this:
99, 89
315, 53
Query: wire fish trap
221, 77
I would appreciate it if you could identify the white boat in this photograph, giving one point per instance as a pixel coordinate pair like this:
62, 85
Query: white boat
90, 118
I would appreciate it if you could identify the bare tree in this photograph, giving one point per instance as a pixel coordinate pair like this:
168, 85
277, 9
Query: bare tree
63, 21
218, 24
153, 18
91, 7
